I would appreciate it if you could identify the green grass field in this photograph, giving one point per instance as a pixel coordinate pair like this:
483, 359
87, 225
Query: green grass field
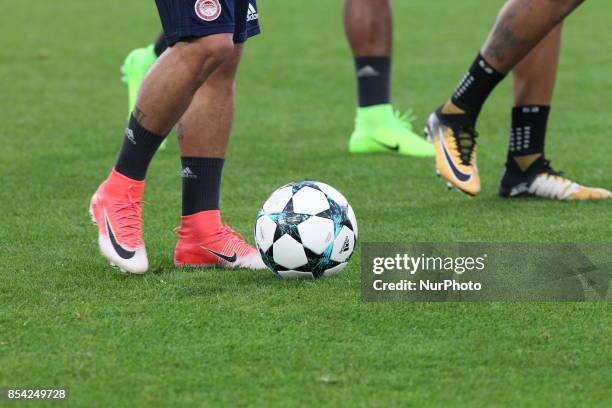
213, 338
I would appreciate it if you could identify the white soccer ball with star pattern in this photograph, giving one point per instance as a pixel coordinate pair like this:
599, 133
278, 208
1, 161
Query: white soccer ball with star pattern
306, 229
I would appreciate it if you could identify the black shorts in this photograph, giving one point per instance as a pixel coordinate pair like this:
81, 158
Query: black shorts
198, 18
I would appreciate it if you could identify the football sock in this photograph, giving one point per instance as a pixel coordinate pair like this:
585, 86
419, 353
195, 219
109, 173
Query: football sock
373, 80
139, 147
160, 45
527, 135
201, 183
473, 90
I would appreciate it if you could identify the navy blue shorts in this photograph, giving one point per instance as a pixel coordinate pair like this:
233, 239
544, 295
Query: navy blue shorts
183, 19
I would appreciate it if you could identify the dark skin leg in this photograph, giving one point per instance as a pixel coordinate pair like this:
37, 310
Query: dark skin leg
535, 77
521, 25
204, 130
368, 25
171, 84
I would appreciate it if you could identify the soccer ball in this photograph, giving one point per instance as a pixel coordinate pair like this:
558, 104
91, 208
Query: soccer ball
306, 229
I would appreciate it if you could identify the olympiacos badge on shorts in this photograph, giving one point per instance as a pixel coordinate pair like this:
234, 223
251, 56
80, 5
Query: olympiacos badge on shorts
208, 10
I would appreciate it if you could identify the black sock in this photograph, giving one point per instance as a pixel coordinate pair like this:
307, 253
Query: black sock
201, 183
476, 86
373, 80
139, 147
160, 45
528, 131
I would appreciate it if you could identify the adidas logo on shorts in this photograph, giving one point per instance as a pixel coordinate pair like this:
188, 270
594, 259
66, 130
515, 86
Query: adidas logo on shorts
252, 13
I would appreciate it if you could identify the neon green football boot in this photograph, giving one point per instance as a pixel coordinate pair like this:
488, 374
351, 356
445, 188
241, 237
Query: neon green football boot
134, 69
378, 129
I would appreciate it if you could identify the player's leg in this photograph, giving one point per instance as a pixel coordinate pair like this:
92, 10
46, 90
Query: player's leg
203, 134
165, 95
528, 173
521, 25
170, 85
368, 26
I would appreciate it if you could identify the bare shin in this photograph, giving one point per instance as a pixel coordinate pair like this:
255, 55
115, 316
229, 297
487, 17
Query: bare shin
205, 128
520, 26
368, 26
171, 84
535, 76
